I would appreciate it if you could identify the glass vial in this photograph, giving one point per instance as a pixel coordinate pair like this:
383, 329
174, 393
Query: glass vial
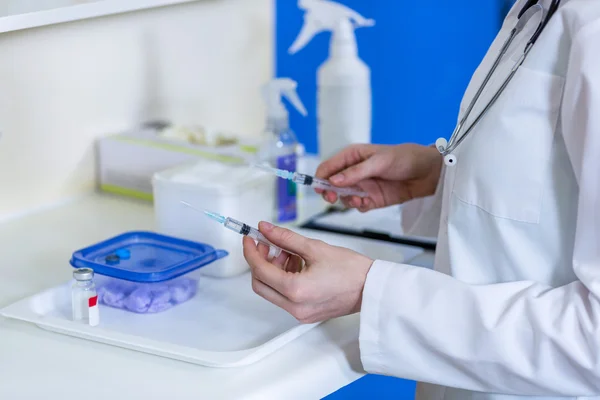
82, 290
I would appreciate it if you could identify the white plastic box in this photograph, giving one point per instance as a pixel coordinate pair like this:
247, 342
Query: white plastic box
235, 191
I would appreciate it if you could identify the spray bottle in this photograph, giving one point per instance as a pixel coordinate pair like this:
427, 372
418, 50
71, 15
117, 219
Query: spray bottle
282, 144
343, 81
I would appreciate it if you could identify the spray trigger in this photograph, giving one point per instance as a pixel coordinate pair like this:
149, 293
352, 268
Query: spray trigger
322, 15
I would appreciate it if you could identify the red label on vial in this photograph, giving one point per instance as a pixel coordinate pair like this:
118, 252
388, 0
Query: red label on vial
92, 301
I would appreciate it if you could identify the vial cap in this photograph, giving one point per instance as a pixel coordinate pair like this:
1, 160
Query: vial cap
83, 274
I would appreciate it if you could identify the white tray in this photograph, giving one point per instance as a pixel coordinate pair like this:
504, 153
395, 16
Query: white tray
225, 325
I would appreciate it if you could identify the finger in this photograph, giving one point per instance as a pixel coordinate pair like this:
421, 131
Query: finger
357, 173
332, 166
346, 202
248, 243
357, 202
281, 260
330, 197
352, 202
344, 159
263, 270
287, 240
263, 250
367, 205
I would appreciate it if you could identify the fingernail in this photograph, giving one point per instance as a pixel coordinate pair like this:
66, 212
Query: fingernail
339, 178
266, 226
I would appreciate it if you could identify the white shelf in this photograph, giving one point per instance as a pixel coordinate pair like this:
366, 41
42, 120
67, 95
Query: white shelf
92, 9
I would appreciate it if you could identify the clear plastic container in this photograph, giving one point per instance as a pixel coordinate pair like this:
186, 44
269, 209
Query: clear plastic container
145, 272
236, 191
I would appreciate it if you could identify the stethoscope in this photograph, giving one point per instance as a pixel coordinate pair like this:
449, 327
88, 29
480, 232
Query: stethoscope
531, 8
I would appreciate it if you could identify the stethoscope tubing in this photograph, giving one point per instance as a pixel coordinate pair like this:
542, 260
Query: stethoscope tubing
446, 148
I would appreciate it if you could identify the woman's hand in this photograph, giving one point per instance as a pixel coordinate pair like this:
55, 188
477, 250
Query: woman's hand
390, 174
317, 283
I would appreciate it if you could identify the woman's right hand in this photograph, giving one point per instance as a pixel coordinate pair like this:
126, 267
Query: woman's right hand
390, 174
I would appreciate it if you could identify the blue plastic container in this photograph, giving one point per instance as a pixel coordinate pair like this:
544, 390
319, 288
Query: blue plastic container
145, 272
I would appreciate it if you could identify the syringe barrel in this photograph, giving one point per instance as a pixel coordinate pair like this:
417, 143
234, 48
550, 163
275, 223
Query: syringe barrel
235, 226
324, 185
274, 251
301, 179
255, 234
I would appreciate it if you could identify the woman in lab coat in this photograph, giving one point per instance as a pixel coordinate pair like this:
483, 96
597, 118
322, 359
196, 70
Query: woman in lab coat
513, 306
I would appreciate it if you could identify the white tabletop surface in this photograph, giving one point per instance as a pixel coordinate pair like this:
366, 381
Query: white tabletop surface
38, 364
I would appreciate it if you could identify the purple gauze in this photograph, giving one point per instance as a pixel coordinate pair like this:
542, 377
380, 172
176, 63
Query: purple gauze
113, 294
182, 290
147, 298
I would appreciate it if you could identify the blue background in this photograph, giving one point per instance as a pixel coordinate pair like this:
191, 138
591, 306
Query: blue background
422, 56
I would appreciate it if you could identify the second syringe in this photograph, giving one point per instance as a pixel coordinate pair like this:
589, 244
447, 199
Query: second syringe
315, 183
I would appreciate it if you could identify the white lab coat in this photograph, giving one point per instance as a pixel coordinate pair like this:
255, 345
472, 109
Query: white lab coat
513, 306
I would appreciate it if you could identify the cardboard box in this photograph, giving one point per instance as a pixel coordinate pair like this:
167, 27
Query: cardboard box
127, 162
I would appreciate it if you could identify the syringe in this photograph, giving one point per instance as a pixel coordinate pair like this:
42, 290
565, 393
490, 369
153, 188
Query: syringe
315, 183
240, 228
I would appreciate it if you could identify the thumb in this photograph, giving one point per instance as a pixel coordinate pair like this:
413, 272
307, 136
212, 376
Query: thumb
357, 173
287, 239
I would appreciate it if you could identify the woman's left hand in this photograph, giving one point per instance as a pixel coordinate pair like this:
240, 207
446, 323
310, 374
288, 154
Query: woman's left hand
317, 283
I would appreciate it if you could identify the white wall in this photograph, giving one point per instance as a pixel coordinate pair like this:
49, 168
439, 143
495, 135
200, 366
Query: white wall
64, 85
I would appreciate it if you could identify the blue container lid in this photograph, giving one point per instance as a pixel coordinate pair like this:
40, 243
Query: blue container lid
145, 257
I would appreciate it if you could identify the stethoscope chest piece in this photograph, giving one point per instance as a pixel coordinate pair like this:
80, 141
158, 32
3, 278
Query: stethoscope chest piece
450, 160
442, 145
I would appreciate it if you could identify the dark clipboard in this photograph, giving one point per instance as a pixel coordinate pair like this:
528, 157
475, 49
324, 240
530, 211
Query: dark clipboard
313, 223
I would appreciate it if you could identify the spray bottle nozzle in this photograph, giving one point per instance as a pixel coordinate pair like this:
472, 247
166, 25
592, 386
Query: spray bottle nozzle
275, 89
273, 92
324, 15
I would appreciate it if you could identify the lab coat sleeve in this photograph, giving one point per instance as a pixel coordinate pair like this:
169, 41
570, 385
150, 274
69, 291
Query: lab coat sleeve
519, 338
421, 217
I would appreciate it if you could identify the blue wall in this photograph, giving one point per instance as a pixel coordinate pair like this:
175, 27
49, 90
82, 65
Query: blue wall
421, 54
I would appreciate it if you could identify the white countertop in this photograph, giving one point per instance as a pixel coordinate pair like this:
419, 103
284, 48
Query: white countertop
35, 363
